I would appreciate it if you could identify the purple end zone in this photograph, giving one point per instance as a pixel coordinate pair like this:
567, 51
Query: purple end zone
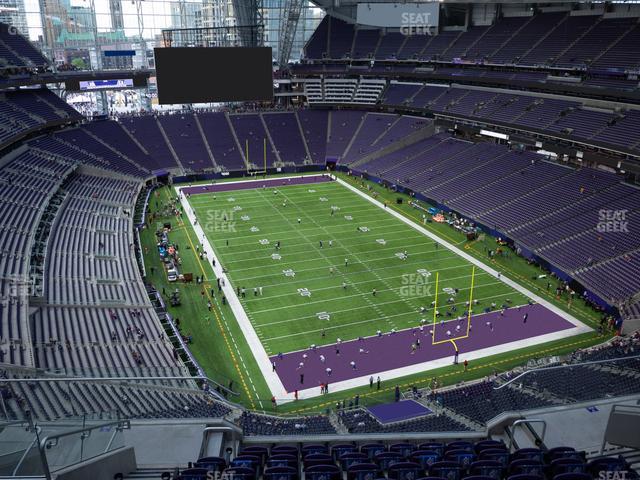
398, 411
391, 351
250, 184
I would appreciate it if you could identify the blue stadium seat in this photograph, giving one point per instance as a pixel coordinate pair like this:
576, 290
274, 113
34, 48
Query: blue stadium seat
425, 457
282, 460
372, 449
240, 473
448, 470
338, 450
498, 455
317, 459
307, 449
404, 449
567, 465
322, 472
488, 444
524, 476
487, 468
572, 476
478, 477
215, 464
352, 458
463, 457
529, 454
559, 452
385, 459
606, 465
434, 446
257, 451
459, 445
526, 466
194, 474
247, 461
290, 449
405, 471
363, 471
280, 473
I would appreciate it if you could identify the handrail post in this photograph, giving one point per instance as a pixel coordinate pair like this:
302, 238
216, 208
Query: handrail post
526, 421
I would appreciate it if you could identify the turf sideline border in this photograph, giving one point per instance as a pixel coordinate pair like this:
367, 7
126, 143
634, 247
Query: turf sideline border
474, 261
262, 358
260, 354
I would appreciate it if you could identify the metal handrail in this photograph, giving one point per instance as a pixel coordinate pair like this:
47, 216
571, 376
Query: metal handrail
85, 432
526, 421
45, 442
26, 452
568, 365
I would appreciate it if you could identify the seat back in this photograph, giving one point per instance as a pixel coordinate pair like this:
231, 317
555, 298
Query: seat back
487, 468
405, 471
280, 473
282, 460
447, 470
363, 471
322, 472
386, 459
371, 449
194, 474
425, 458
216, 464
405, 449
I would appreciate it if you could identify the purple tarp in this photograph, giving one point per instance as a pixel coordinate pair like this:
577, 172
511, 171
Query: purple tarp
398, 411
251, 184
391, 351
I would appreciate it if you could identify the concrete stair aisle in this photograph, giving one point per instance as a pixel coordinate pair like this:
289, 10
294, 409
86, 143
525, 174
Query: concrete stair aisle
514, 35
168, 142
205, 142
440, 410
132, 137
235, 138
117, 152
542, 38
355, 135
576, 40
614, 43
304, 140
575, 207
527, 195
270, 139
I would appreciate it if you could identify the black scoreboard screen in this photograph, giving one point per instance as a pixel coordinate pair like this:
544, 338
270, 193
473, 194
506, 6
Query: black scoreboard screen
215, 74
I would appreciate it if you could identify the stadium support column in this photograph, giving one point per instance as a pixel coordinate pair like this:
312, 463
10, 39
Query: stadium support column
288, 26
249, 17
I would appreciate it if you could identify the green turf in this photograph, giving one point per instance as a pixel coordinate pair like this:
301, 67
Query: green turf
223, 353
300, 218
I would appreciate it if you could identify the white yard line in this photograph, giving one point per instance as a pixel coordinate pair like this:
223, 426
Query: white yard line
262, 358
250, 335
516, 286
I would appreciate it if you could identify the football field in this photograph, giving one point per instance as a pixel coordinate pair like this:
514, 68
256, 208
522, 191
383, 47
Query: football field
337, 288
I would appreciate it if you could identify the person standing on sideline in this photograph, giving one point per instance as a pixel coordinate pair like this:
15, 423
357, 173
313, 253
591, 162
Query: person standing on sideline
371, 381
378, 383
